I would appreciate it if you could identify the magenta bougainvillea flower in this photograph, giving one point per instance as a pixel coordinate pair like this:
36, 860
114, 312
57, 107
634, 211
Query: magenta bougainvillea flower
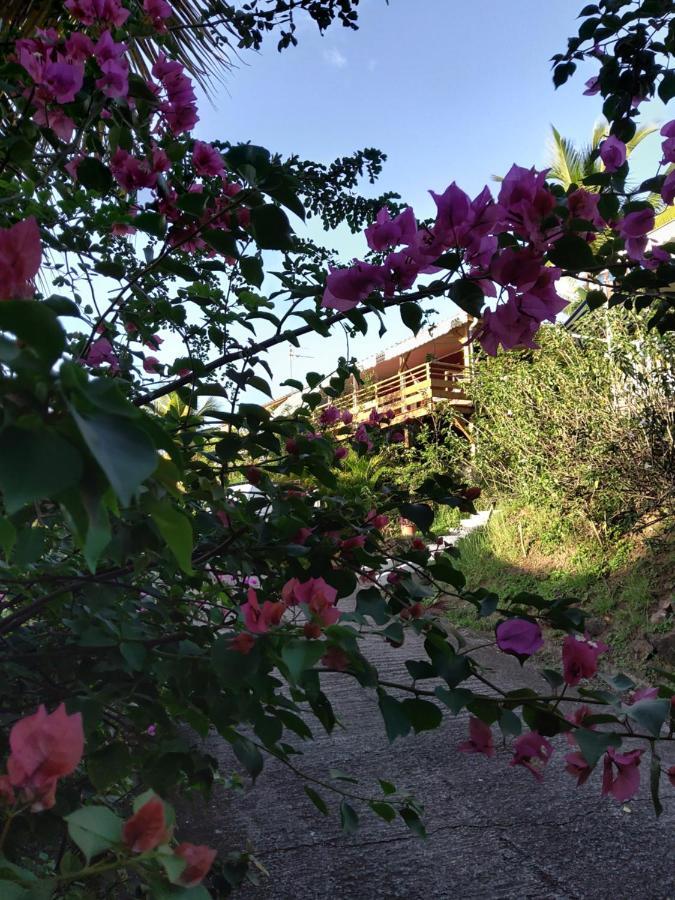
612, 153
519, 637
580, 658
532, 751
625, 782
480, 739
20, 257
198, 859
576, 765
207, 161
386, 232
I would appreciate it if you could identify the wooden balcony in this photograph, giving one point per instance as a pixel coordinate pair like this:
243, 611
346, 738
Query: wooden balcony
411, 393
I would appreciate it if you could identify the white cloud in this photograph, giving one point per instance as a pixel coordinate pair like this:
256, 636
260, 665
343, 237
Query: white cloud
334, 58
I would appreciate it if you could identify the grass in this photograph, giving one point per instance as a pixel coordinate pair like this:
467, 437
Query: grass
618, 584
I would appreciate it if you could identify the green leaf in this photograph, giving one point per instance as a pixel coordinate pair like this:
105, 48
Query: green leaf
384, 810
35, 465
252, 161
123, 450
7, 535
36, 325
94, 829
223, 242
192, 203
271, 228
317, 800
396, 721
248, 755
251, 269
650, 714
423, 715
655, 779
176, 529
510, 723
572, 252
176, 267
413, 821
467, 295
62, 306
420, 513
94, 176
109, 765
666, 89
110, 269
371, 602
348, 818
594, 743
387, 787
10, 890
412, 316
299, 655
152, 223
455, 699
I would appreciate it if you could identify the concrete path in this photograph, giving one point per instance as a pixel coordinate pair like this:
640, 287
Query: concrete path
494, 832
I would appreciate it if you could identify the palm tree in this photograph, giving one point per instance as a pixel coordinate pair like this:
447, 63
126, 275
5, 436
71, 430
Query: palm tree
204, 51
570, 164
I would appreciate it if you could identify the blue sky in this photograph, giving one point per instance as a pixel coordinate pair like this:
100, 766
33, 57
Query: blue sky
450, 91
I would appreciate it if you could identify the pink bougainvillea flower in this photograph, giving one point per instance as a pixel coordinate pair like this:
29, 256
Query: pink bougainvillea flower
532, 751
340, 453
612, 153
63, 80
576, 765
625, 783
526, 203
198, 859
335, 658
580, 658
453, 215
151, 364
519, 637
147, 828
507, 325
345, 288
361, 436
79, 47
592, 86
44, 747
20, 257
180, 106
377, 520
671, 775
330, 415
386, 232
101, 351
578, 717
319, 599
206, 160
114, 82
645, 693
583, 204
158, 11
61, 124
259, 619
7, 795
351, 543
90, 11
637, 224
480, 739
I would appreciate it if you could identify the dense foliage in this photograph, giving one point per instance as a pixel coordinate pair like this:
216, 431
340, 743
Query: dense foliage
139, 588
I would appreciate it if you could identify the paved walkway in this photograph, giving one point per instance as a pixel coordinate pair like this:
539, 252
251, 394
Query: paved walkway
493, 831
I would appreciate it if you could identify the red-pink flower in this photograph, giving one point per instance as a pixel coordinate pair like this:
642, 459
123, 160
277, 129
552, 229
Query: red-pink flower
101, 351
199, 860
44, 747
319, 598
329, 416
259, 619
519, 637
63, 79
206, 160
532, 751
578, 718
346, 287
625, 783
20, 257
243, 643
576, 765
151, 364
480, 739
337, 659
147, 828
671, 775
580, 658
377, 520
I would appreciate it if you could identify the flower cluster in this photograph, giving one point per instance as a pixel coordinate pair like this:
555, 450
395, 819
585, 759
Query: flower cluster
315, 596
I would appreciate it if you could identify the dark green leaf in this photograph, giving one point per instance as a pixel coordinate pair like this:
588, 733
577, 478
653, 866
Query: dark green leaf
650, 714
35, 465
95, 829
271, 228
412, 316
34, 324
249, 756
467, 295
420, 514
422, 714
572, 252
176, 529
594, 743
252, 270
93, 175
396, 721
123, 451
348, 818
317, 800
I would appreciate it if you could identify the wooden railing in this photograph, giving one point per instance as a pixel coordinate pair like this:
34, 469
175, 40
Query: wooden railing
410, 393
